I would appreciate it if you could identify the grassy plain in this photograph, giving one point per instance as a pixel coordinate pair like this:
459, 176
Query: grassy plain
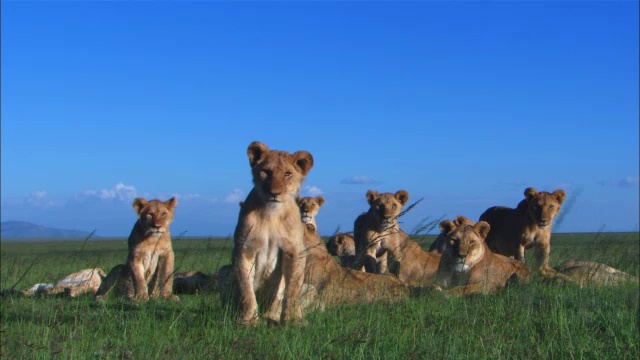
539, 321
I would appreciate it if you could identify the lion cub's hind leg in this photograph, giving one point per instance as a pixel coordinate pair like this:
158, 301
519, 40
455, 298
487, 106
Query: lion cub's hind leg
115, 282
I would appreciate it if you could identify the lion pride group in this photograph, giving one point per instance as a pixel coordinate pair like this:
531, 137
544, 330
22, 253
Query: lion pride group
281, 268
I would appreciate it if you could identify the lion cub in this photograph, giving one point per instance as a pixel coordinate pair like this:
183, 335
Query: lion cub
268, 258
148, 271
309, 207
343, 246
526, 226
372, 228
468, 266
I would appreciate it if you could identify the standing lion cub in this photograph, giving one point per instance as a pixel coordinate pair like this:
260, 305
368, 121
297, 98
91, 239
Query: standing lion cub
268, 254
148, 271
528, 225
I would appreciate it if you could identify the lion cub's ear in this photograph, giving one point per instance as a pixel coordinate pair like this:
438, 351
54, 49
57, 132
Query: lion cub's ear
530, 193
256, 152
482, 228
372, 195
559, 195
402, 196
171, 203
298, 199
320, 200
447, 226
462, 220
139, 204
303, 160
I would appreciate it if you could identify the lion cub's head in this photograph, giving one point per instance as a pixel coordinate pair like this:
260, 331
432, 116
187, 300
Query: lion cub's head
342, 244
155, 216
277, 175
465, 242
386, 207
542, 207
309, 207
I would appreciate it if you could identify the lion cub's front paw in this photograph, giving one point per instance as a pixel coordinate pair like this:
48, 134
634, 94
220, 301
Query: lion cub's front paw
141, 297
171, 297
253, 321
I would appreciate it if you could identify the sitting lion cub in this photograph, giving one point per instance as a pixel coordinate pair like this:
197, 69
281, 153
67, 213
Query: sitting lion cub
148, 271
372, 228
468, 266
528, 225
268, 247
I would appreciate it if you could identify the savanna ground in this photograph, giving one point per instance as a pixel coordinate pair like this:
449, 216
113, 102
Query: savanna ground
538, 321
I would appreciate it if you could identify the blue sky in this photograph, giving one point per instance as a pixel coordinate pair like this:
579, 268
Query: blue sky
463, 104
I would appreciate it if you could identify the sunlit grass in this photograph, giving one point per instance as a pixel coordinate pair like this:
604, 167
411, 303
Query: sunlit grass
542, 320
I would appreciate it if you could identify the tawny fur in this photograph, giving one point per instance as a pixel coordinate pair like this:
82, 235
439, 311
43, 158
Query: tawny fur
336, 285
148, 271
193, 282
309, 207
343, 246
526, 226
377, 225
440, 243
268, 240
325, 282
469, 267
415, 266
85, 281
594, 273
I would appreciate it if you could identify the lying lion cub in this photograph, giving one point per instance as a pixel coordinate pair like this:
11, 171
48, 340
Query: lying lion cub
336, 285
269, 237
468, 266
593, 273
343, 246
148, 271
325, 282
85, 281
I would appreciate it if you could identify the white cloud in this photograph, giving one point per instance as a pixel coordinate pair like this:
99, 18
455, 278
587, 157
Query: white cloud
359, 180
119, 191
235, 196
39, 198
626, 182
312, 190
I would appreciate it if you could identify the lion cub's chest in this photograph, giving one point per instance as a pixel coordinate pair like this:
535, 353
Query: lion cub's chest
148, 252
268, 236
535, 236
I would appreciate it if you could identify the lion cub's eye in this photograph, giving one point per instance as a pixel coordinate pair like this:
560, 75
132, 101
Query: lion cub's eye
287, 174
551, 207
149, 216
164, 214
394, 206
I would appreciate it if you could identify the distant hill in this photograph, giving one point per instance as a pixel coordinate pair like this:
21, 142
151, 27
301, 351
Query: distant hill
24, 230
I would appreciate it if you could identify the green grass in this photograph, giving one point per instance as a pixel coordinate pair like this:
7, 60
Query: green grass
538, 321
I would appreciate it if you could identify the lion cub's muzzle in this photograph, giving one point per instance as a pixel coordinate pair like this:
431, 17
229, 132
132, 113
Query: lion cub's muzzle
155, 230
543, 223
460, 263
306, 218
